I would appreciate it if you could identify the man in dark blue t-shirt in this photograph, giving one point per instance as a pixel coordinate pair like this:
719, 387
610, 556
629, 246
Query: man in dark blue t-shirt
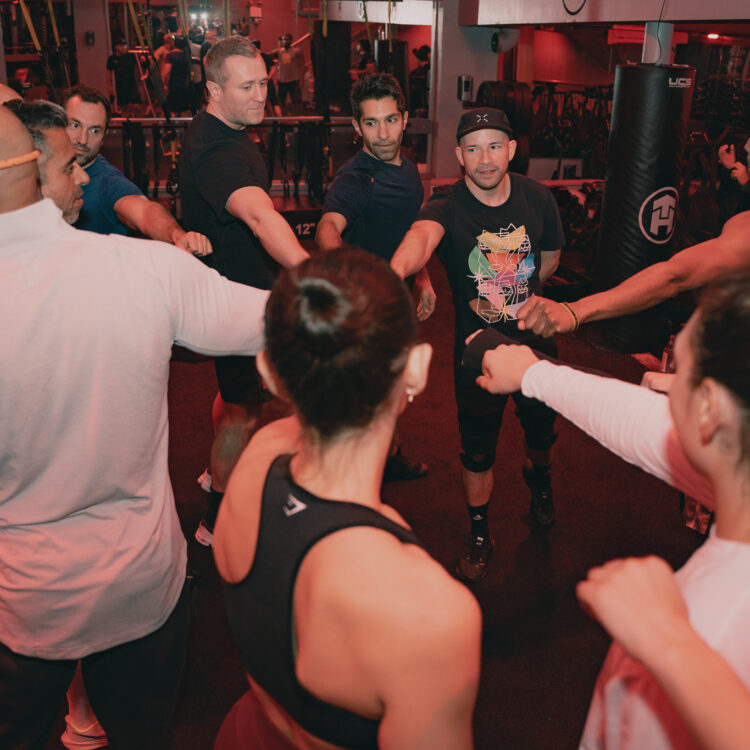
499, 236
375, 197
112, 204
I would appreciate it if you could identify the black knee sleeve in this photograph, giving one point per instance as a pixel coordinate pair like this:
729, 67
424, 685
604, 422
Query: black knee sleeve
478, 462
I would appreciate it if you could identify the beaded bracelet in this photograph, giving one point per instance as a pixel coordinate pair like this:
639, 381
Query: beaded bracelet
576, 322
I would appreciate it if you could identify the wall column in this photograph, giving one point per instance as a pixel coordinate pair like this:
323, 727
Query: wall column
461, 50
92, 15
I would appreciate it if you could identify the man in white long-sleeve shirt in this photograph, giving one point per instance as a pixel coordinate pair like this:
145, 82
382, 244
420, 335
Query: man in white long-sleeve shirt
93, 562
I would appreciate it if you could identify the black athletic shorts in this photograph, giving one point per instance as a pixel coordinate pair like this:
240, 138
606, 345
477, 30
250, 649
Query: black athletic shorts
239, 381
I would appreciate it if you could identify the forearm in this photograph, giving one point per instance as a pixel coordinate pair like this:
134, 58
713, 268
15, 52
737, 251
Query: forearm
632, 422
705, 691
278, 239
154, 221
327, 237
645, 289
412, 254
549, 264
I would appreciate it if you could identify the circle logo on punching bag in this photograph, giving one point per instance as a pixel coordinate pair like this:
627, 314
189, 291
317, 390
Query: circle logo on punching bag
657, 215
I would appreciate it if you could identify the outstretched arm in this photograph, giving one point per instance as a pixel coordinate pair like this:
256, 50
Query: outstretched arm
330, 228
152, 220
638, 603
632, 422
253, 206
691, 268
417, 247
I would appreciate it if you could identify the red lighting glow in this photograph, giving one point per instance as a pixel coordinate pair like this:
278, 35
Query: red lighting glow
712, 36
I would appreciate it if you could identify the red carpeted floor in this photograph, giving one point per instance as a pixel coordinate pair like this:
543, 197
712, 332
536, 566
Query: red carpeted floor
541, 653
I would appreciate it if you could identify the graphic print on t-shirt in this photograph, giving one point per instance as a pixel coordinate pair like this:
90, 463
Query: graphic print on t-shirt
501, 264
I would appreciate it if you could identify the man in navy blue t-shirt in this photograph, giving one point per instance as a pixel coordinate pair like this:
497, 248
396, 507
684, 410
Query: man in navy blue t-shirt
112, 204
499, 236
375, 197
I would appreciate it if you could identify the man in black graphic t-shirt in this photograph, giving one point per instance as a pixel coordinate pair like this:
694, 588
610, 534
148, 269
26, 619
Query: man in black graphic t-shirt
374, 199
224, 196
499, 237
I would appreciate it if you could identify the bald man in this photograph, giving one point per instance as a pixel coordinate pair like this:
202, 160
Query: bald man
691, 268
94, 559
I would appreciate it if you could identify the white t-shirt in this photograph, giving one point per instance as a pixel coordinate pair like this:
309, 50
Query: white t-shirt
91, 551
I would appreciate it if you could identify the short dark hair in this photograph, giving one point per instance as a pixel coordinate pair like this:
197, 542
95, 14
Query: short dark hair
39, 116
377, 86
218, 54
338, 330
88, 95
721, 334
366, 46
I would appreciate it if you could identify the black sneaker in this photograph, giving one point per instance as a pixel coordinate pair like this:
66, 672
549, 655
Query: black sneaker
398, 468
472, 565
541, 505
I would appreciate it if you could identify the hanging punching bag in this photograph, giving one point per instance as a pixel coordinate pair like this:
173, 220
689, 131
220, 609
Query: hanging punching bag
645, 162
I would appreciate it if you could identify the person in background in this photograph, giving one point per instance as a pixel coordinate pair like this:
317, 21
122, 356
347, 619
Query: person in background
291, 64
366, 63
331, 598
176, 76
122, 85
419, 81
161, 52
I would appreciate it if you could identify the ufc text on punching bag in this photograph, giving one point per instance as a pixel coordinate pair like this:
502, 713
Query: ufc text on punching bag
645, 163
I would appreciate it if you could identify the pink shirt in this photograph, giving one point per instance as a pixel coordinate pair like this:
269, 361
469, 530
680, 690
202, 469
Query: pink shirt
91, 551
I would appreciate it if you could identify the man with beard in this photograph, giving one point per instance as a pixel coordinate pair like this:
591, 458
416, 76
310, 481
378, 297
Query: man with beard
374, 199
60, 177
225, 196
499, 236
112, 204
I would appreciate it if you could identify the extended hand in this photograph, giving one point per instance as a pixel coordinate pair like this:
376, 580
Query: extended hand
195, 243
544, 317
503, 368
427, 298
660, 382
727, 157
739, 173
638, 603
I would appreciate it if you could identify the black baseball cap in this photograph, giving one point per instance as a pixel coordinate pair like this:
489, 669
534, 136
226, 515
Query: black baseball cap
483, 118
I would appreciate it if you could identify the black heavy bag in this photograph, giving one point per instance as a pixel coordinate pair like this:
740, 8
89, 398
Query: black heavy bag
644, 167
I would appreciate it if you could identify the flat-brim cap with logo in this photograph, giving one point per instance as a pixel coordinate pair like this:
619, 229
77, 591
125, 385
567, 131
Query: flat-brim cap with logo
484, 118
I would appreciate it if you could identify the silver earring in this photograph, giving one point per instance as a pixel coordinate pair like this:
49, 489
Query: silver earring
409, 396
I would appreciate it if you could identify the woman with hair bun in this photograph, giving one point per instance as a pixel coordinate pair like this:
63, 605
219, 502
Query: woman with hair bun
351, 634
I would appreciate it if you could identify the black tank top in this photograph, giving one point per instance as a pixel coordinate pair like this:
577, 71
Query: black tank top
260, 608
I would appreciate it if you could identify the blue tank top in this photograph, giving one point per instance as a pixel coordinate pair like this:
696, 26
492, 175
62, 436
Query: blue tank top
260, 608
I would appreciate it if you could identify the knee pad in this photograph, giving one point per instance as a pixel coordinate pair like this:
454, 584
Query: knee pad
542, 442
478, 462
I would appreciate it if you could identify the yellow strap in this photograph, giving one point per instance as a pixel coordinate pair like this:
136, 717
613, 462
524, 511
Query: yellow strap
136, 22
27, 18
53, 21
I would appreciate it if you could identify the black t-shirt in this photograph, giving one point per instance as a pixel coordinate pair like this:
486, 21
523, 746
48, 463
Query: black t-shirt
491, 253
378, 200
215, 161
123, 68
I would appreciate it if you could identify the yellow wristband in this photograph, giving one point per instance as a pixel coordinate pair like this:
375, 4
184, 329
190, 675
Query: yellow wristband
576, 322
